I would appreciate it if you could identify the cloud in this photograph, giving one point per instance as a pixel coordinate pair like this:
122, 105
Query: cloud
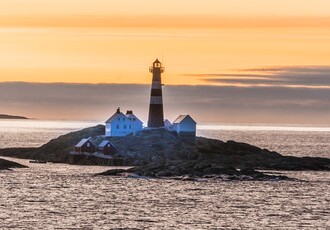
163, 21
301, 77
204, 103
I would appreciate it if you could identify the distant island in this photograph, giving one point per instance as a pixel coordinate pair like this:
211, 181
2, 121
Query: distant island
5, 116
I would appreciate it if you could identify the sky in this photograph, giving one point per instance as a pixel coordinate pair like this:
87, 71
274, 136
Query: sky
248, 61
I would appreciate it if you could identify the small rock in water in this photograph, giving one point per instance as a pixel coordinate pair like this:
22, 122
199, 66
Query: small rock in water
113, 172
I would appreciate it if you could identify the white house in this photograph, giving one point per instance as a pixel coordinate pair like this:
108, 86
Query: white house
119, 124
135, 123
185, 126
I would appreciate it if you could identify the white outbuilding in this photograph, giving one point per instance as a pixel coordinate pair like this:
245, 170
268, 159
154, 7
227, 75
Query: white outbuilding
121, 124
185, 126
168, 125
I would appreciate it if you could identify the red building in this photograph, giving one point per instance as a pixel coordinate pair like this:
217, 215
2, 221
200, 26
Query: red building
106, 147
85, 146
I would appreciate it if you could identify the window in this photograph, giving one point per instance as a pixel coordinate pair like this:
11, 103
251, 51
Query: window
134, 119
88, 145
117, 126
118, 118
130, 126
124, 126
123, 119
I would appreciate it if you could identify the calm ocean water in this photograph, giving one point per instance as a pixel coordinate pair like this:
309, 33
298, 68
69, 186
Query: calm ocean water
58, 196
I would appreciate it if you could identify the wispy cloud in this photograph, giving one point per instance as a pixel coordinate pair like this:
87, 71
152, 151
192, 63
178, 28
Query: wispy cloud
163, 21
293, 76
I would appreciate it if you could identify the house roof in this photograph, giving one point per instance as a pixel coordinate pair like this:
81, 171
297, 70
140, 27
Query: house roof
118, 113
133, 116
181, 118
167, 122
82, 142
113, 117
104, 143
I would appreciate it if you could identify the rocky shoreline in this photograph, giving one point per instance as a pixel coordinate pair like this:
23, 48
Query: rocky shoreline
161, 154
193, 172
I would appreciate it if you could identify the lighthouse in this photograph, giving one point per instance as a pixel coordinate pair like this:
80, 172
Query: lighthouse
156, 113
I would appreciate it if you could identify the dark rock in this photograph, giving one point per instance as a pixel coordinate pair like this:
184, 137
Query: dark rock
113, 172
5, 165
164, 174
221, 170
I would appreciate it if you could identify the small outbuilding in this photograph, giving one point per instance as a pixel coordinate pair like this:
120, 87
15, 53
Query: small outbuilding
168, 125
85, 146
106, 147
185, 126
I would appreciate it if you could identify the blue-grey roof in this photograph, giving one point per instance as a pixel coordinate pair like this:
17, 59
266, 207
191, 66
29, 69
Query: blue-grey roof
113, 117
181, 118
82, 142
133, 116
104, 143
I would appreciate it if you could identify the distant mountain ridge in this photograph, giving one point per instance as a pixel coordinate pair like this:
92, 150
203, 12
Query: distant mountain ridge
5, 116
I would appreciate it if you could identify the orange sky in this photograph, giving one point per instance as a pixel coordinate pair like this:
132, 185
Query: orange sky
268, 60
104, 41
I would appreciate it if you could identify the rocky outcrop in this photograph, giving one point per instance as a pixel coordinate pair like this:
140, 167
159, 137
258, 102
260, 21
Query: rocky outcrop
192, 170
161, 146
57, 149
6, 164
161, 153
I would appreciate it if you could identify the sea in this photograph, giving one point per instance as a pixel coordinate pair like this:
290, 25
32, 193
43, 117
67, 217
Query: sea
60, 196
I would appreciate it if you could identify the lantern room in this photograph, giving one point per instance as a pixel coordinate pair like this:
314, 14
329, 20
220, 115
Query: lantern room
157, 65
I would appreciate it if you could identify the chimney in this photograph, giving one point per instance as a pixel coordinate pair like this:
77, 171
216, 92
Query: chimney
118, 110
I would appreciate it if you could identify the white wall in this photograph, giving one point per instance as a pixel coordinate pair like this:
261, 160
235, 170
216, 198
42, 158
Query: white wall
122, 127
187, 125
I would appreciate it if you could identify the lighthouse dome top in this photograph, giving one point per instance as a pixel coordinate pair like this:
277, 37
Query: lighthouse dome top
157, 64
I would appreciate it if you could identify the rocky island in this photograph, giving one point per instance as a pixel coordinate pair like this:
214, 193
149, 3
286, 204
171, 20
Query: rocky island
6, 165
160, 153
5, 116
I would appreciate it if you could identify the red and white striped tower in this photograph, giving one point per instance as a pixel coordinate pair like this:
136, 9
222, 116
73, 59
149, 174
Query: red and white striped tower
156, 113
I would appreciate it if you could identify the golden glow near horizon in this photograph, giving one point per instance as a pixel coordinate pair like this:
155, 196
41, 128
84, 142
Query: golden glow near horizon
105, 41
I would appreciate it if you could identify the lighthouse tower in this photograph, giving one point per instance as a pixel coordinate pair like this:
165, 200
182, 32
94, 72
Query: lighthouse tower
156, 113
